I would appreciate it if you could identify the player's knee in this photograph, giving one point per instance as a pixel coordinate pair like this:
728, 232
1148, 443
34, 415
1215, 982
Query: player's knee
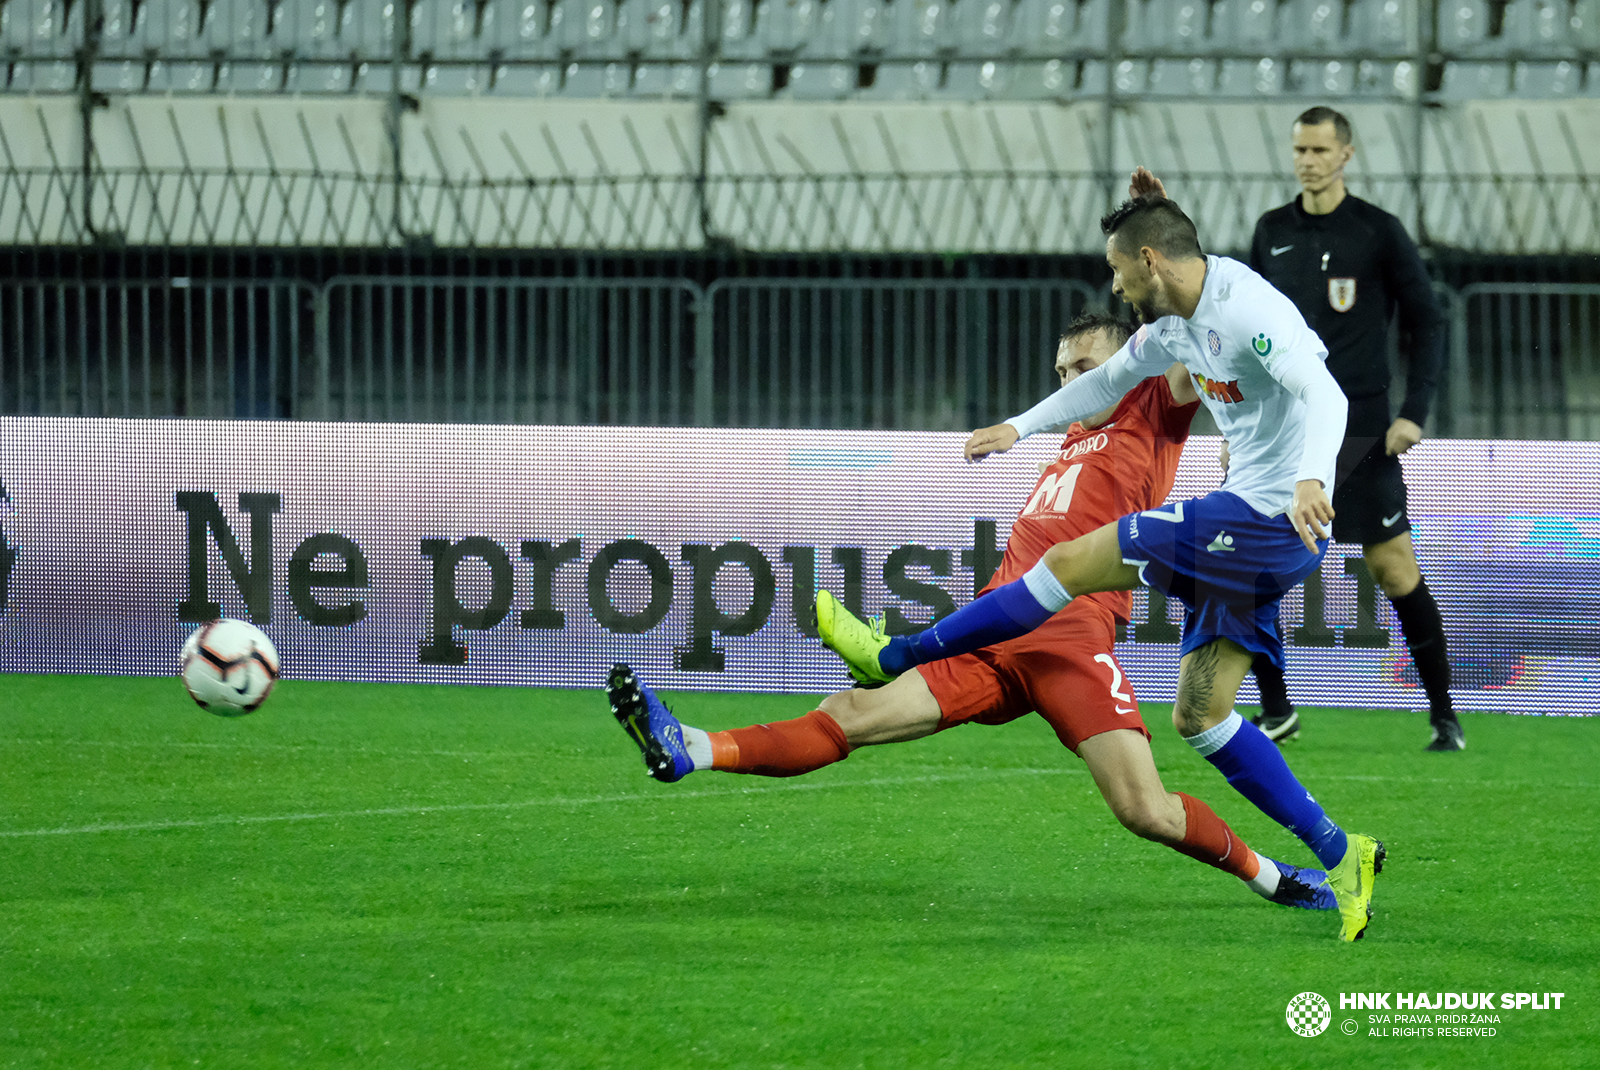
1145, 818
1397, 578
1188, 717
852, 713
1062, 560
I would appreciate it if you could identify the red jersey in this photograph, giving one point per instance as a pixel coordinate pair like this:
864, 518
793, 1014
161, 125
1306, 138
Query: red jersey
1124, 466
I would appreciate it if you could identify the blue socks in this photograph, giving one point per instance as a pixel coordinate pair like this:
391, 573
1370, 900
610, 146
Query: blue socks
1013, 609
1256, 769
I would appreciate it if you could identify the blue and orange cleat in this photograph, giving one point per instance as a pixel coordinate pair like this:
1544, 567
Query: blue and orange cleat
649, 724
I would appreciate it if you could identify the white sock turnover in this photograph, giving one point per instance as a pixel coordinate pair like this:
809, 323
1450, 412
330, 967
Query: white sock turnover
1265, 883
698, 744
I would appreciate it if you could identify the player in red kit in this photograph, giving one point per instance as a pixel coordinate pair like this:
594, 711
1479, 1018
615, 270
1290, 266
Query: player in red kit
1120, 461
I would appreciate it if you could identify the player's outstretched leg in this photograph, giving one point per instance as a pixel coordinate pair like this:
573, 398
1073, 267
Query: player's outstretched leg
672, 750
1090, 563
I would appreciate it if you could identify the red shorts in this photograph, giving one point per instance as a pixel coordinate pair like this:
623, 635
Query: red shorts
1065, 670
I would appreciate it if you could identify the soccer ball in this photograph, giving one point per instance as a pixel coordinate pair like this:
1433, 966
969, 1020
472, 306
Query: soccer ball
229, 667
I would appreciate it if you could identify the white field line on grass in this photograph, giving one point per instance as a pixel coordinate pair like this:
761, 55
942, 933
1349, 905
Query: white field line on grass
557, 801
377, 751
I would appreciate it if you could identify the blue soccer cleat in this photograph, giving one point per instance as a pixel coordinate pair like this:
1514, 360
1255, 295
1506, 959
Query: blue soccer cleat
650, 724
1299, 886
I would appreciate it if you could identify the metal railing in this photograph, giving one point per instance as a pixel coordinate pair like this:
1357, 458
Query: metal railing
1526, 361
179, 347
819, 353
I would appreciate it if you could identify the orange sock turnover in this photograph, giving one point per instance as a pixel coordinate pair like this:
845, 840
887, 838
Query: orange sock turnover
784, 748
1207, 838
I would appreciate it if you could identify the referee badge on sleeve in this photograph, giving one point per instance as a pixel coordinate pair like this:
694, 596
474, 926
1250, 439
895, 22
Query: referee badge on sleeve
1342, 294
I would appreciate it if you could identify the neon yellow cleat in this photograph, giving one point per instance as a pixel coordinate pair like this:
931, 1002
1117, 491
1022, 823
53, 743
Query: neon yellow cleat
1351, 881
852, 639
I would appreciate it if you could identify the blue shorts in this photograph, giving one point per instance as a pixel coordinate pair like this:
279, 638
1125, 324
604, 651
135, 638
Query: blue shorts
1228, 564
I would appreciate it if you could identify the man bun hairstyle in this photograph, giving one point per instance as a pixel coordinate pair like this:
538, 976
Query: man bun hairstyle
1118, 329
1319, 115
1152, 221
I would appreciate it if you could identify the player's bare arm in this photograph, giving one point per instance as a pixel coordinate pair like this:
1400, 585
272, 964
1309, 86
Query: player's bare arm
987, 440
1310, 512
1403, 434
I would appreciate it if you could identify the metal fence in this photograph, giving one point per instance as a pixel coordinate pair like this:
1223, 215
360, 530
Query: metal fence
545, 351
818, 353
217, 350
1526, 359
911, 354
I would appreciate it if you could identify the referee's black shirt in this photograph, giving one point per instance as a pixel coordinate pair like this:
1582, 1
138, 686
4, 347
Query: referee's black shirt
1360, 257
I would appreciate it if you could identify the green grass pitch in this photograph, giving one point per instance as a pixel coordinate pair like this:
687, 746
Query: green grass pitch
386, 876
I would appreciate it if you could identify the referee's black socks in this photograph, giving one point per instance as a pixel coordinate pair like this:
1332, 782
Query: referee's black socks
1424, 632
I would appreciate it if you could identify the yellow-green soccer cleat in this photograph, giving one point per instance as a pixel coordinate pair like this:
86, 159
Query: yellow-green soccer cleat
1351, 881
854, 640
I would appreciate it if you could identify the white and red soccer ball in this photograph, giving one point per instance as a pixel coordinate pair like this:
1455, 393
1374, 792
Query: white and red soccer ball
229, 667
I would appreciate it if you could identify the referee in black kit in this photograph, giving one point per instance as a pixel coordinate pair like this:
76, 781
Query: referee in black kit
1348, 266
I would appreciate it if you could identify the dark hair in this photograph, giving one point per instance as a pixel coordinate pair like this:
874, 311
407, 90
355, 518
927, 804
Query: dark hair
1319, 115
1154, 221
1093, 320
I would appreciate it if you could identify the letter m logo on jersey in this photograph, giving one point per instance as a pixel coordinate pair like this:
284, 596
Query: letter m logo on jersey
1228, 392
1054, 492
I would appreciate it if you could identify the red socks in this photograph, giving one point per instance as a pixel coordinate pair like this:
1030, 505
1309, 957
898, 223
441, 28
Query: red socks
1207, 838
784, 748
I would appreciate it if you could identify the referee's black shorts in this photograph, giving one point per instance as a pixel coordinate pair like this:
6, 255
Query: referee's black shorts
1369, 495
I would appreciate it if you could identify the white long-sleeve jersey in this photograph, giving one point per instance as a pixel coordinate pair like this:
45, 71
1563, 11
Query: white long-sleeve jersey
1259, 370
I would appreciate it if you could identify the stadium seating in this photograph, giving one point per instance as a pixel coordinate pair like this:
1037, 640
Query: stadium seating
1383, 26
821, 81
814, 49
1242, 77
1045, 26
1333, 78
666, 80
1475, 80
1558, 79
1313, 25
1463, 25
1183, 78
919, 28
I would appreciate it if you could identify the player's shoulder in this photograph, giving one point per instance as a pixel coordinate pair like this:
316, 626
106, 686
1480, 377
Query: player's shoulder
1246, 300
1238, 284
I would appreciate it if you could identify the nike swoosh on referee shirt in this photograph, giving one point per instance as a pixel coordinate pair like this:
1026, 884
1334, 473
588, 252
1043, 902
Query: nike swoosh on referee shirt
1279, 250
1390, 521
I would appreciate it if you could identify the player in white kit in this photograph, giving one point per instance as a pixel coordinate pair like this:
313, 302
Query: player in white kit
1229, 556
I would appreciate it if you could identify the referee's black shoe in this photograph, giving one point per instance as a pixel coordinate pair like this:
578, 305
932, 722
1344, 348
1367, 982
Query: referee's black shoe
1279, 728
1447, 734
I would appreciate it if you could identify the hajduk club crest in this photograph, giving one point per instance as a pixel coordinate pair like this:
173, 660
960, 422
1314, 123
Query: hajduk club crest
1342, 294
